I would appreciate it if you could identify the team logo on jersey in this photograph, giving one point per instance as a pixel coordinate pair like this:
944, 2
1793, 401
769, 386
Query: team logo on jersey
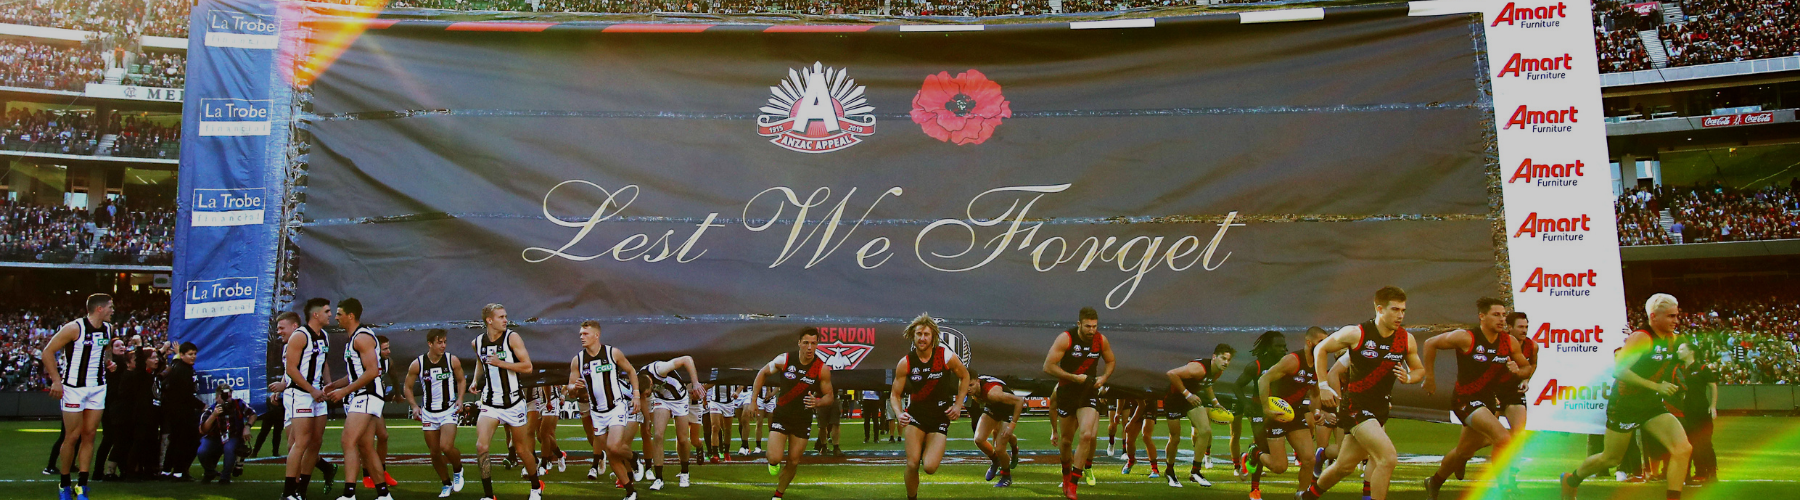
1369, 345
816, 110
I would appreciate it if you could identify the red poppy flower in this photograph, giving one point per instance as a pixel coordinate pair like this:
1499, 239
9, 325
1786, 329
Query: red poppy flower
960, 110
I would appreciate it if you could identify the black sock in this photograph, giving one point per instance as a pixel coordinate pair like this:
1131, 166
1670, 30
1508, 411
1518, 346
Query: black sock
535, 483
487, 487
1574, 479
1255, 477
446, 482
1075, 471
1674, 495
1312, 492
381, 488
65, 481
658, 470
459, 468
287, 490
349, 490
684, 467
305, 484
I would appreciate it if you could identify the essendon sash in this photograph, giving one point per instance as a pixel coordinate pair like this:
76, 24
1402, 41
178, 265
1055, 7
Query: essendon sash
927, 388
1383, 369
803, 382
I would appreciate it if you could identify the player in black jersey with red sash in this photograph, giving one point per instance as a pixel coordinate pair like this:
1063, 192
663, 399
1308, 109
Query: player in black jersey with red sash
1292, 379
1000, 410
1513, 402
1074, 360
1381, 353
1487, 358
802, 384
1643, 379
1183, 400
925, 377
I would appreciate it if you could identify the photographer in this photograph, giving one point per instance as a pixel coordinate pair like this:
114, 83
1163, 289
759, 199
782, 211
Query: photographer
225, 426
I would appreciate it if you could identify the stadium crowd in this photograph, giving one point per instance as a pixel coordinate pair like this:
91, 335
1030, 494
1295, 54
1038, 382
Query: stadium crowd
144, 138
109, 235
1733, 30
1640, 219
1706, 214
45, 66
120, 18
169, 18
48, 131
27, 322
166, 70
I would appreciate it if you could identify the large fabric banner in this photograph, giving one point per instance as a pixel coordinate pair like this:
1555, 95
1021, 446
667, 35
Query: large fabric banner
231, 181
707, 190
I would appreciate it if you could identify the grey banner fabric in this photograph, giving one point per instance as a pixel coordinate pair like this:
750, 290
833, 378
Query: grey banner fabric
451, 169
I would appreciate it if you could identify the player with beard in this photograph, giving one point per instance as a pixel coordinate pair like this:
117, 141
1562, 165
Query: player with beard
1000, 410
1487, 357
1072, 359
501, 396
1270, 347
1292, 380
1183, 400
304, 395
922, 377
364, 394
1513, 401
1381, 353
1643, 385
802, 385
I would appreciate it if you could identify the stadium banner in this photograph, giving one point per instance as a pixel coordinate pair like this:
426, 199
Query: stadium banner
708, 190
133, 92
1560, 225
231, 182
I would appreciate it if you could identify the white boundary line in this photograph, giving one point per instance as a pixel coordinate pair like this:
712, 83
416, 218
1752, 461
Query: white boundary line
1118, 23
1282, 16
1442, 7
905, 28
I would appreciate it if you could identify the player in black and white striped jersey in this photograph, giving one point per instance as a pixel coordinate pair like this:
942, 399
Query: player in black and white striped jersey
721, 407
304, 396
500, 396
440, 379
605, 376
363, 395
673, 384
75, 358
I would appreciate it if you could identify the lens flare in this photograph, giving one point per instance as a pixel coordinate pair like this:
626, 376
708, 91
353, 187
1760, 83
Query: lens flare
325, 31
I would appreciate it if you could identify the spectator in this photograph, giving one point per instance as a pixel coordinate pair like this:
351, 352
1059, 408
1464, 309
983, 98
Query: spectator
181, 409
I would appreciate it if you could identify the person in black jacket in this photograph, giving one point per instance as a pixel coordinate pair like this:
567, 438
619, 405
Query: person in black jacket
1700, 407
145, 460
181, 409
116, 441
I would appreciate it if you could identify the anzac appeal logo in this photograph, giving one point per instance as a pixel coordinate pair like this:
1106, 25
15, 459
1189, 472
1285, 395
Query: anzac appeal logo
816, 110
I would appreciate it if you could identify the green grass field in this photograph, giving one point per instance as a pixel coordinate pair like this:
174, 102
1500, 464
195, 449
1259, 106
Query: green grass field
1759, 459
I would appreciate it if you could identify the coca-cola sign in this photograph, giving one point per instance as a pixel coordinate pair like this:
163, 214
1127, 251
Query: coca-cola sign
1738, 119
